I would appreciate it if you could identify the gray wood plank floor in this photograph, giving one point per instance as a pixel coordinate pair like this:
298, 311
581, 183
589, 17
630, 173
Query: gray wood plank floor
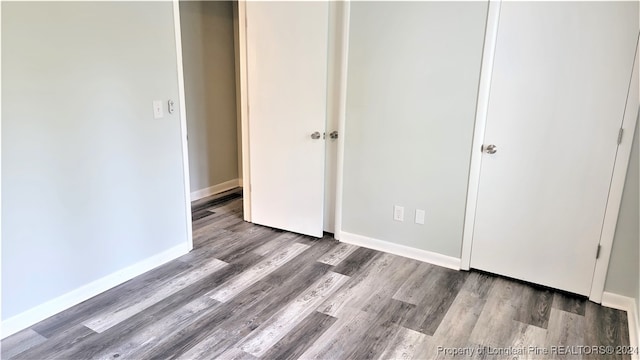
251, 292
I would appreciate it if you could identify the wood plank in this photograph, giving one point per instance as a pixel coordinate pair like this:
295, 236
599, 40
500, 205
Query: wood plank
277, 243
571, 303
249, 277
275, 328
357, 260
536, 307
145, 338
216, 200
342, 337
565, 329
244, 313
200, 214
300, 338
388, 283
149, 317
604, 327
20, 342
429, 312
414, 287
459, 321
527, 338
111, 299
337, 255
223, 328
231, 354
357, 290
495, 324
406, 344
103, 321
382, 330
55, 346
247, 243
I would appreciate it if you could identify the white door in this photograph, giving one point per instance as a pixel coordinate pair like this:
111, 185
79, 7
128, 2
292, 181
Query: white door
560, 79
287, 86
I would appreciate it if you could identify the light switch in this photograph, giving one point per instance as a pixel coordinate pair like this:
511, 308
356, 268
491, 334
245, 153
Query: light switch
420, 214
398, 213
157, 109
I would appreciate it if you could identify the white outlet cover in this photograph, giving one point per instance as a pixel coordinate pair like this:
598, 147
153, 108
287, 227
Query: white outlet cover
420, 215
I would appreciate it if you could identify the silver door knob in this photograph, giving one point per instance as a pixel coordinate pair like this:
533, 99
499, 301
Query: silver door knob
315, 135
491, 149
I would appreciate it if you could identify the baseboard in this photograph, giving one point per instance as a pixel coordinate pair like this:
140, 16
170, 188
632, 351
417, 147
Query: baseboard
629, 305
36, 314
215, 189
401, 250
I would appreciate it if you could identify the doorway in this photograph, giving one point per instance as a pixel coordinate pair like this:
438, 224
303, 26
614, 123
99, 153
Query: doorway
225, 62
210, 81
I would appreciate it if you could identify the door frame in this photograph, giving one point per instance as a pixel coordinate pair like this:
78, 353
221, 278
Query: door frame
619, 171
182, 108
242, 98
340, 98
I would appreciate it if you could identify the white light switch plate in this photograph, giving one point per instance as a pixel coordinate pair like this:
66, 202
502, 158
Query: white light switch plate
420, 214
398, 213
157, 109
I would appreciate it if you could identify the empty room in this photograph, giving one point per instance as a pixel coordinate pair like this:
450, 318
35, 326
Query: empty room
320, 180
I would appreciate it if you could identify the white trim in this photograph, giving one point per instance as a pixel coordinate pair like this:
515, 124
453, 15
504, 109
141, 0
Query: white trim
629, 305
342, 114
0, 166
183, 122
244, 107
617, 185
401, 250
484, 89
215, 189
240, 182
236, 55
74, 297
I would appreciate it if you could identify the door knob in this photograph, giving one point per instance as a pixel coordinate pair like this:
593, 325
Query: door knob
315, 135
491, 149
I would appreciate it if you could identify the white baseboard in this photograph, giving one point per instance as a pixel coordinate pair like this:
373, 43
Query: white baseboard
400, 250
215, 189
36, 314
629, 305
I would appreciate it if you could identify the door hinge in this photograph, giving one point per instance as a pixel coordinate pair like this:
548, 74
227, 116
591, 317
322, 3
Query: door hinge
598, 251
620, 136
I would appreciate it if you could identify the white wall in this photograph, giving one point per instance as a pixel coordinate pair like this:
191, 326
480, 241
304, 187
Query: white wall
210, 89
413, 74
91, 182
623, 277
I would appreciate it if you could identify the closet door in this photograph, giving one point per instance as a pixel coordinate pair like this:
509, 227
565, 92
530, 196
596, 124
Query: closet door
287, 86
558, 90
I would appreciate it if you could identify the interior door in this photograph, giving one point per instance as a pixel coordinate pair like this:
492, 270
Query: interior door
287, 86
558, 89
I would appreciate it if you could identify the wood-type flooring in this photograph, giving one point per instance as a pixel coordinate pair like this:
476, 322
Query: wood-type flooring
252, 292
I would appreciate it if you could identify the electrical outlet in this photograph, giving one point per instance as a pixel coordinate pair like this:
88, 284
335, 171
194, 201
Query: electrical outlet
420, 214
398, 213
